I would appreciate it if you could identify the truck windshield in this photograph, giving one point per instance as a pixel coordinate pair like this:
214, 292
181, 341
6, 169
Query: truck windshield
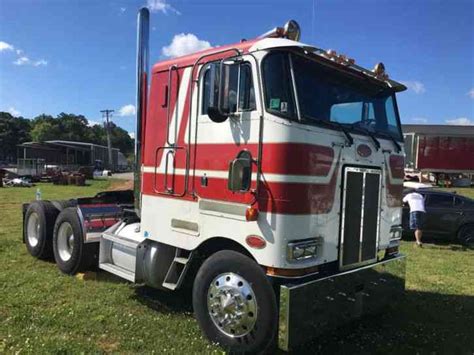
325, 94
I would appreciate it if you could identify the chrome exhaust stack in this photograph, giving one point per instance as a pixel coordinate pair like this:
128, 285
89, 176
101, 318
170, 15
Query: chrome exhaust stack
291, 30
143, 31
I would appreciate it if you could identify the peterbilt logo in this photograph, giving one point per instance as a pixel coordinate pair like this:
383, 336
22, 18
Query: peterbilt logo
364, 150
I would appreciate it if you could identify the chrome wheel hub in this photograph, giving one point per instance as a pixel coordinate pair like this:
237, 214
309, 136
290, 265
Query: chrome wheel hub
33, 229
65, 241
232, 304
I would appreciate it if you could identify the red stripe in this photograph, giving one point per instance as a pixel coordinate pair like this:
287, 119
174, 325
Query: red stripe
278, 158
275, 197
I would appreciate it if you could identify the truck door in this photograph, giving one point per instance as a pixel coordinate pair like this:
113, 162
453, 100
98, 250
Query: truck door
217, 145
171, 157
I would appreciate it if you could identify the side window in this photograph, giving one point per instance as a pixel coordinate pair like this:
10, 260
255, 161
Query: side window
439, 200
278, 85
241, 90
246, 90
392, 123
206, 92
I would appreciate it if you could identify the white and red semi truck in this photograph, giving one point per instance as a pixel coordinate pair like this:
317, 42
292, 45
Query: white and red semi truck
268, 175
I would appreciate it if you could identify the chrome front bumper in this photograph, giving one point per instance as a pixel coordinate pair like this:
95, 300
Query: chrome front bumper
311, 308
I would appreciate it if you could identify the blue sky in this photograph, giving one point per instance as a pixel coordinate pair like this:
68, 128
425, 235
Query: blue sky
79, 56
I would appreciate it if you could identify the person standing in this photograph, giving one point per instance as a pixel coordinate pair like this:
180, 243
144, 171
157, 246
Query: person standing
416, 201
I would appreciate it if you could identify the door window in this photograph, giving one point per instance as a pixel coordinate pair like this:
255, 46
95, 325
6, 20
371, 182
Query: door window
439, 201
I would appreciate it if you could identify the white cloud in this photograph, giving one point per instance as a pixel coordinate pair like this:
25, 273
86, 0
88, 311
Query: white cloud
4, 46
127, 110
132, 135
22, 61
91, 123
27, 61
416, 86
161, 6
14, 112
461, 121
470, 93
419, 119
40, 62
183, 44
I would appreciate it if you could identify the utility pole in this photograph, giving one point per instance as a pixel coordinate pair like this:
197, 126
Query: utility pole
107, 114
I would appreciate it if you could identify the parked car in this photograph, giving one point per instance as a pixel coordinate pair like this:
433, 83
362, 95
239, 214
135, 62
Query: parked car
448, 216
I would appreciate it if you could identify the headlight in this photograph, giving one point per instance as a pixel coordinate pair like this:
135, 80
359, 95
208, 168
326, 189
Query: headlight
303, 250
396, 232
397, 216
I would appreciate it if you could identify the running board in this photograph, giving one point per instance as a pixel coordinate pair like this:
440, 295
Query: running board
177, 270
119, 271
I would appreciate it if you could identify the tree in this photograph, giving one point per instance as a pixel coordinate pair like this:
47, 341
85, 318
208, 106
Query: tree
13, 131
73, 127
121, 139
45, 128
66, 126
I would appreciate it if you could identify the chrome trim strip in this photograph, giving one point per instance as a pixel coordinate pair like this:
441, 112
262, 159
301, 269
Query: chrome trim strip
223, 207
183, 226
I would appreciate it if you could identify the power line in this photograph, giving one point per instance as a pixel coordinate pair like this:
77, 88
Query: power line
108, 113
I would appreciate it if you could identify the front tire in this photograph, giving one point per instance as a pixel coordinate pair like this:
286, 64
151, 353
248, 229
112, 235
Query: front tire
72, 255
234, 303
466, 235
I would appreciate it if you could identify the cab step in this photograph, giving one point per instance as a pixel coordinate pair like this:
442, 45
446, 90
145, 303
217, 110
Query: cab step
180, 264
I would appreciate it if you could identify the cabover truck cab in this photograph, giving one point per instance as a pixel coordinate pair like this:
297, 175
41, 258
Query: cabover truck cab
268, 175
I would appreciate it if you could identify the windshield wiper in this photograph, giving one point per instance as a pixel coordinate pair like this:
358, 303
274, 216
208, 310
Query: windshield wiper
348, 136
398, 148
345, 131
369, 133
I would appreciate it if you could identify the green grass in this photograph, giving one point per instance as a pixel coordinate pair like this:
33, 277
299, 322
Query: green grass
465, 191
44, 311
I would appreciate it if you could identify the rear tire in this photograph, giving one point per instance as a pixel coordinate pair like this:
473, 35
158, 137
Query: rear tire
38, 228
72, 255
466, 235
234, 303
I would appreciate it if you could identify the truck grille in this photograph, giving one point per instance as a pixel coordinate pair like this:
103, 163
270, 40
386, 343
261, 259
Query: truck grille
360, 217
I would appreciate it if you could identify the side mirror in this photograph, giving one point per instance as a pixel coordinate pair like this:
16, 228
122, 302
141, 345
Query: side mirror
223, 89
240, 172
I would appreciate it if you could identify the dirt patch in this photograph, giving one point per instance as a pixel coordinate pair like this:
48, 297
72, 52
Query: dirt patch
121, 185
107, 345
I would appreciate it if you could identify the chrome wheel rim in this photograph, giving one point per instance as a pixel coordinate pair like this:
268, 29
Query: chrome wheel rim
65, 241
232, 305
33, 229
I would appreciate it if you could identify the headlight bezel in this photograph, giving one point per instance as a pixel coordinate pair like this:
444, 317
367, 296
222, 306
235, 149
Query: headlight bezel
303, 250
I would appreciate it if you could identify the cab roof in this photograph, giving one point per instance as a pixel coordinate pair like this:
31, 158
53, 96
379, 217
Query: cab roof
258, 44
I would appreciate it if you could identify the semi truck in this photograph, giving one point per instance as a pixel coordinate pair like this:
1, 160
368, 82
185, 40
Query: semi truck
268, 177
446, 152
